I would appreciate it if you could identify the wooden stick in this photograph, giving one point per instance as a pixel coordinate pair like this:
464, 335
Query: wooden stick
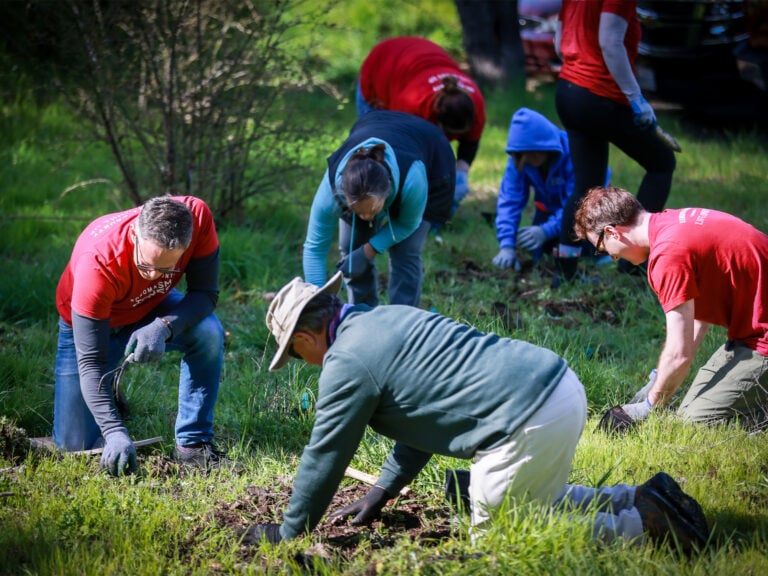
369, 479
47, 442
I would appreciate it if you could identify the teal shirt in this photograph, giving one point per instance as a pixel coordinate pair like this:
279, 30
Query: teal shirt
324, 214
433, 385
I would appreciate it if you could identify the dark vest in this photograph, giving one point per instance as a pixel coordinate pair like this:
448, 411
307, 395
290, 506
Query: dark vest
412, 139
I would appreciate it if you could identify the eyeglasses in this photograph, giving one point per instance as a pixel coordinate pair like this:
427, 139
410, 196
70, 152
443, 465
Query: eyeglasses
599, 246
149, 269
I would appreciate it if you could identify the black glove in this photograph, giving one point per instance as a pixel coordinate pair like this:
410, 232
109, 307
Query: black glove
354, 264
263, 532
148, 343
367, 508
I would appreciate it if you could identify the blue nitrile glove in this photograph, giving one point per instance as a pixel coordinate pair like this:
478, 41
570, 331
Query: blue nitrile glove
148, 343
531, 238
265, 533
119, 455
462, 187
643, 113
506, 258
367, 508
355, 263
642, 394
638, 410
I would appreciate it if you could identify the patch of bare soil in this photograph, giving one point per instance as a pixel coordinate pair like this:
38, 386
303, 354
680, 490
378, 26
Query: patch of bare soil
336, 541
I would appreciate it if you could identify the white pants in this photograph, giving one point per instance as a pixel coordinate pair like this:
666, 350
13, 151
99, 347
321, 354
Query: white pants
534, 464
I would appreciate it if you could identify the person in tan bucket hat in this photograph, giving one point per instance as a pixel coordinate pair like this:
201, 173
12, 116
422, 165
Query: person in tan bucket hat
436, 386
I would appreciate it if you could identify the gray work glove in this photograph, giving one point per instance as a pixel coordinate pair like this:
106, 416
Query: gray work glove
354, 264
642, 394
366, 509
119, 455
643, 114
264, 533
148, 343
531, 238
506, 258
639, 410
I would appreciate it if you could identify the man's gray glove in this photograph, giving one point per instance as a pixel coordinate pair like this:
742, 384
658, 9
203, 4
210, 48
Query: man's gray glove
639, 410
148, 343
367, 508
119, 455
643, 114
263, 533
354, 264
642, 394
531, 238
506, 258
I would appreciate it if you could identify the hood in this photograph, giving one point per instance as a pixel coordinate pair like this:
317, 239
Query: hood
531, 131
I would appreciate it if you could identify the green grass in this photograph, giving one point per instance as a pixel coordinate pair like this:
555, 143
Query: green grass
64, 517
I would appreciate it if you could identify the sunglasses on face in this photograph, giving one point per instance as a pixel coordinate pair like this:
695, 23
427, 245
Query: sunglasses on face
145, 267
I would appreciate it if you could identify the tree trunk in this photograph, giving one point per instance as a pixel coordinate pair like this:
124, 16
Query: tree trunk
492, 40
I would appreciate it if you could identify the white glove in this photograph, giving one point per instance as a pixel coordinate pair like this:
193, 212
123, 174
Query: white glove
506, 258
638, 410
531, 238
643, 113
642, 394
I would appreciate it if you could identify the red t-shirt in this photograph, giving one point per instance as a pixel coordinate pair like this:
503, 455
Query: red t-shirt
716, 260
580, 47
101, 279
405, 73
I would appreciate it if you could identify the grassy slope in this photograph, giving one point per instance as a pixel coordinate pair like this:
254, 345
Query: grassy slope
65, 517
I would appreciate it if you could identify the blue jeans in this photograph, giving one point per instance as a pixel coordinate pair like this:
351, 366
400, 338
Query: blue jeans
74, 427
405, 266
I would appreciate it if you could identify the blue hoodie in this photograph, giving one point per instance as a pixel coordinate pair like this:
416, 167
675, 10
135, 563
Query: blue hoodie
530, 131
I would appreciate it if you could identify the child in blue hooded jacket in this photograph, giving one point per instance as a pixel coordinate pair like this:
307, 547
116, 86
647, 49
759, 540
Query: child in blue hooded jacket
539, 158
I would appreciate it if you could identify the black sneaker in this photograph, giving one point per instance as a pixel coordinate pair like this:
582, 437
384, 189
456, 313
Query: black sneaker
205, 456
670, 514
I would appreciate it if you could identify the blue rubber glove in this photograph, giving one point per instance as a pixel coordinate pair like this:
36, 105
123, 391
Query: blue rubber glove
264, 533
506, 258
639, 410
642, 394
643, 114
119, 455
462, 187
354, 264
367, 508
148, 343
531, 238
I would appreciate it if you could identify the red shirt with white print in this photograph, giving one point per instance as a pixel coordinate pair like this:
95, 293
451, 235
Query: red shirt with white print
101, 280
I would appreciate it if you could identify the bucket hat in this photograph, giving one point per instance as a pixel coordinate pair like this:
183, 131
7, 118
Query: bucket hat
286, 308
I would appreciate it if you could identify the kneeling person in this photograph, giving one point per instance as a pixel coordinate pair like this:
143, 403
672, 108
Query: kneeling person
436, 386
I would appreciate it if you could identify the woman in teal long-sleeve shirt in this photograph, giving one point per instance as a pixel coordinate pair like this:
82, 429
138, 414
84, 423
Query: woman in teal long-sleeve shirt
385, 187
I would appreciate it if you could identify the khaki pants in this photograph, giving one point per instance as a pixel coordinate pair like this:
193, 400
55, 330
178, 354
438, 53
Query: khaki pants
534, 465
732, 384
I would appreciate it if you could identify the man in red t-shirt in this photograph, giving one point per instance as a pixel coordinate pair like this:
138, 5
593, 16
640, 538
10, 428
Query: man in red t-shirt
707, 268
414, 75
117, 296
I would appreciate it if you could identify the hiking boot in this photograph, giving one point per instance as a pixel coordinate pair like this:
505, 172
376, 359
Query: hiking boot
669, 514
205, 456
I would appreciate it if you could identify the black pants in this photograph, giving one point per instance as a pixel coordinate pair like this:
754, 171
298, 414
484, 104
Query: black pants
594, 122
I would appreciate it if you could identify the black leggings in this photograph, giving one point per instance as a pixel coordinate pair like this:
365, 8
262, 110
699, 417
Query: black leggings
594, 122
